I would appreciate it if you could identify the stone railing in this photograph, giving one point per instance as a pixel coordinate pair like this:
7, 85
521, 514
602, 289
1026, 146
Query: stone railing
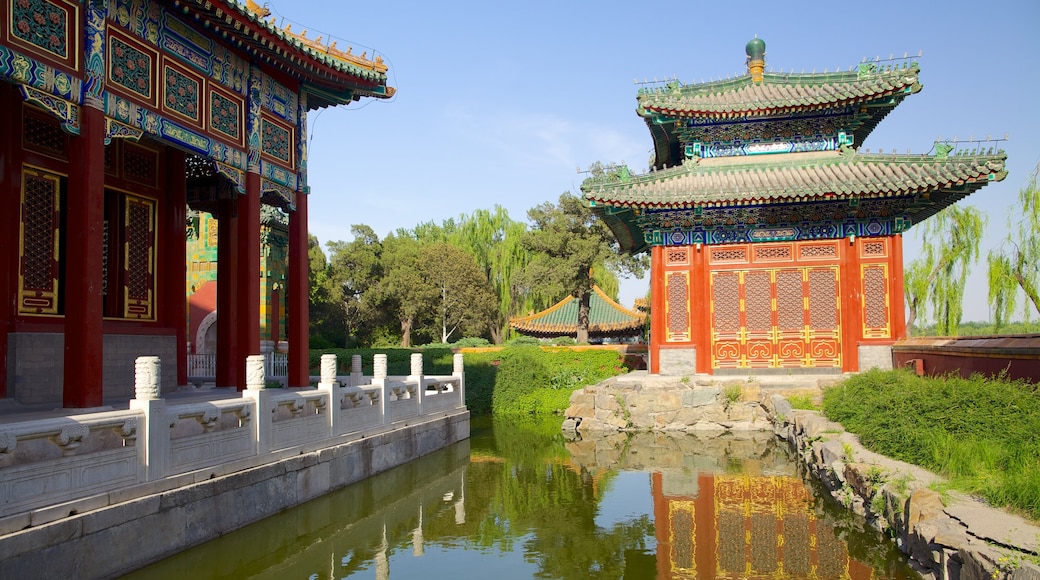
50, 468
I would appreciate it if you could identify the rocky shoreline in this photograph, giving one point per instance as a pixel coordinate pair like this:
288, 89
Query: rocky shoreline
945, 535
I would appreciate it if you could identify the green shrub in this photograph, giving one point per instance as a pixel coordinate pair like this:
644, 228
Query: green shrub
982, 434
524, 341
563, 341
471, 341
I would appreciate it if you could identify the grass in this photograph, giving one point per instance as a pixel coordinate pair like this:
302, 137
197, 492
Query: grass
983, 435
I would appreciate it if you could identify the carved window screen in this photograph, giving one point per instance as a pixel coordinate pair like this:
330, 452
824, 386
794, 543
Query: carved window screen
39, 266
139, 259
875, 302
677, 256
678, 307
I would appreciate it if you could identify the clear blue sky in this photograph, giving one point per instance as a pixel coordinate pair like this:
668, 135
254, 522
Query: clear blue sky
501, 102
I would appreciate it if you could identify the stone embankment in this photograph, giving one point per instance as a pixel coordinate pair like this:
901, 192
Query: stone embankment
945, 534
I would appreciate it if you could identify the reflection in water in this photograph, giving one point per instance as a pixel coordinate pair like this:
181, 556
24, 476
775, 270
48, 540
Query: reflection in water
518, 501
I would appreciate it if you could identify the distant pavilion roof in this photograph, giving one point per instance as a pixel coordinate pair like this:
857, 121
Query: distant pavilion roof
607, 318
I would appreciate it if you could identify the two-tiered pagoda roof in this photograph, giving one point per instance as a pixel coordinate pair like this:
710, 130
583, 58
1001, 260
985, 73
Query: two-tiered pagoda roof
775, 156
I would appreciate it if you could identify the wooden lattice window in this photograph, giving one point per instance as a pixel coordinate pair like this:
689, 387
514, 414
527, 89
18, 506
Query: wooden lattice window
758, 311
875, 302
790, 303
140, 165
823, 290
40, 229
772, 253
43, 134
139, 258
729, 255
678, 308
874, 248
725, 290
677, 256
817, 252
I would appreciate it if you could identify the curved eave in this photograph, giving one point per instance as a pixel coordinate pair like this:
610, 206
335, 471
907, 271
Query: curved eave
248, 32
777, 95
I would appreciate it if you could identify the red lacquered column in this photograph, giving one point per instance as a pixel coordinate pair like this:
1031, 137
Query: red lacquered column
248, 295
296, 295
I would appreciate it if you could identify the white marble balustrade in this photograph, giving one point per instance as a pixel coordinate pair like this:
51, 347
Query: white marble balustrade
91, 460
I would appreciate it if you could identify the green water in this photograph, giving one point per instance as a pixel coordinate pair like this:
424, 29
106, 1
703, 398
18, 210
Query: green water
517, 500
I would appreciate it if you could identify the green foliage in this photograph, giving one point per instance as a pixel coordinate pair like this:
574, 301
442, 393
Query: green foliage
950, 246
804, 402
982, 434
731, 394
524, 341
1013, 264
536, 381
569, 243
976, 328
563, 341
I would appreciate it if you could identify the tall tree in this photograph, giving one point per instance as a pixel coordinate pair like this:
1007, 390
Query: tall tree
1015, 264
354, 271
950, 246
326, 320
494, 241
569, 241
402, 289
463, 299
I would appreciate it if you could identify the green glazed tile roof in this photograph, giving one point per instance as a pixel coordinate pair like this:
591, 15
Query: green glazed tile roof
794, 177
606, 318
779, 92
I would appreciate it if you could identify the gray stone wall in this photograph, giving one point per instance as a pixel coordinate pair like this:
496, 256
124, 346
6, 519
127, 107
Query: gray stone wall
35, 364
677, 362
875, 356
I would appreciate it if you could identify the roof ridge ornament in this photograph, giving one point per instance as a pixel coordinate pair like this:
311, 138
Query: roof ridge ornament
756, 58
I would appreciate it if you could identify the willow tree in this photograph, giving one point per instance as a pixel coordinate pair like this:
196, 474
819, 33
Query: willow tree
1014, 265
569, 242
493, 239
949, 248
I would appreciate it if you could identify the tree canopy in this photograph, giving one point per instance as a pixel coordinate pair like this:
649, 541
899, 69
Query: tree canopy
569, 243
1014, 265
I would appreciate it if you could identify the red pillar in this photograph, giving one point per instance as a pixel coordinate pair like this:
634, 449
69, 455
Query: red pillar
9, 218
227, 285
171, 291
84, 307
657, 307
897, 306
248, 294
296, 295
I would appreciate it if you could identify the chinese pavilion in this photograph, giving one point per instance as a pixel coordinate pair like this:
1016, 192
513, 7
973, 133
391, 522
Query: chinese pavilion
120, 114
775, 241
607, 319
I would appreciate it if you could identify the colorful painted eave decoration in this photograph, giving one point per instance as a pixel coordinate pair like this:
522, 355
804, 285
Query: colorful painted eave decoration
803, 196
339, 72
606, 318
793, 178
777, 94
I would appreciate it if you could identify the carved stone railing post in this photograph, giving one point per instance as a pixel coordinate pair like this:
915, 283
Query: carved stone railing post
355, 371
379, 380
256, 389
329, 384
153, 436
417, 377
458, 370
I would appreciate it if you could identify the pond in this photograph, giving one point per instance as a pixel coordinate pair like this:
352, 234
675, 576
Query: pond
518, 500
